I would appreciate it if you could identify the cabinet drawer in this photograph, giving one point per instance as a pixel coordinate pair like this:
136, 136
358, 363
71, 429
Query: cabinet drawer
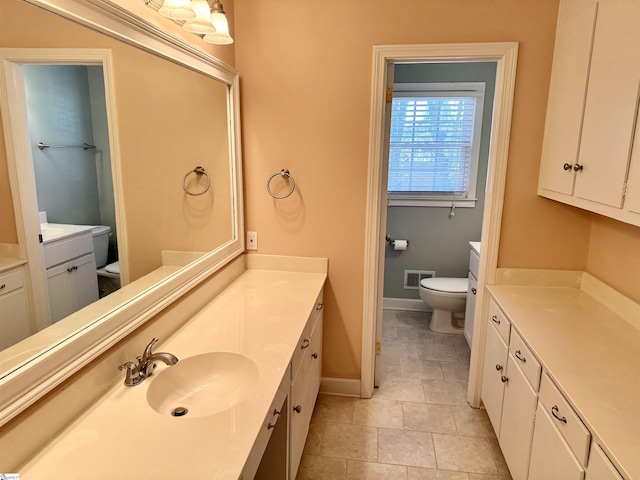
474, 263
499, 320
600, 467
305, 338
527, 362
11, 281
67, 249
565, 419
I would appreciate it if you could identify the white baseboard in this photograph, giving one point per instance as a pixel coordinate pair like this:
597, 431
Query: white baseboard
344, 387
405, 304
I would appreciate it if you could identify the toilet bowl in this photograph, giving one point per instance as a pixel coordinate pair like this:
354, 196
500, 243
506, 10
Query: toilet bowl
108, 275
448, 298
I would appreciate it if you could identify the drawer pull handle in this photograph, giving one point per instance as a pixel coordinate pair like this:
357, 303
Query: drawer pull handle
314, 355
297, 409
498, 367
567, 166
3, 286
504, 379
495, 319
474, 291
305, 344
554, 412
519, 356
276, 414
319, 307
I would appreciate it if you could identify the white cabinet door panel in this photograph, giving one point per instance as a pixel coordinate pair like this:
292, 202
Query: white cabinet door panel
610, 108
495, 363
551, 457
576, 21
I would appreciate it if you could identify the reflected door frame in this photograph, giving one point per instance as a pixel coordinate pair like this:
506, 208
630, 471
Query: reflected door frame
505, 55
21, 169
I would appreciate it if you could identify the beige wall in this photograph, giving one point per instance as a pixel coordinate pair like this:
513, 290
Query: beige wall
169, 120
306, 75
8, 232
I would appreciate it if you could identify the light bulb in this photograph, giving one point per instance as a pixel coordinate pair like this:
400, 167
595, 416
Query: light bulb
177, 10
202, 22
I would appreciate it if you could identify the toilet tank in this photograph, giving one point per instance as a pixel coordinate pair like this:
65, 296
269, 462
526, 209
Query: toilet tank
101, 235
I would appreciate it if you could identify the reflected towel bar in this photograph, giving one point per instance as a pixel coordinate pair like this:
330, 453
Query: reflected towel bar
85, 146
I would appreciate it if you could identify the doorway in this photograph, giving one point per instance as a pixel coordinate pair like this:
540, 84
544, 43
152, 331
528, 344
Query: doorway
73, 173
385, 57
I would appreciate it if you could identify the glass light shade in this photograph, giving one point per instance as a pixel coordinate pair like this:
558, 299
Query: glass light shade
202, 23
177, 10
221, 35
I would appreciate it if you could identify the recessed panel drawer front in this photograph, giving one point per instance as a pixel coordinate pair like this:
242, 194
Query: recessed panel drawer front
474, 263
67, 249
499, 320
11, 281
525, 360
565, 419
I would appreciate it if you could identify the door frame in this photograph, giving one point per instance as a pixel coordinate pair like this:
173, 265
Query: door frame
20, 161
505, 54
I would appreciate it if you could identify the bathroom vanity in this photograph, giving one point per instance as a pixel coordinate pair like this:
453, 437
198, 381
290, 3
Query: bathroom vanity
272, 319
560, 382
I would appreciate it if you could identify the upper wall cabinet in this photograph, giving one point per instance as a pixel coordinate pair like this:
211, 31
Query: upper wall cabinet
593, 103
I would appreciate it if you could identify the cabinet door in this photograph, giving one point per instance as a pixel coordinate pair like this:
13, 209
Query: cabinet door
518, 417
495, 362
574, 35
85, 281
551, 457
300, 413
60, 285
610, 108
470, 308
14, 318
316, 365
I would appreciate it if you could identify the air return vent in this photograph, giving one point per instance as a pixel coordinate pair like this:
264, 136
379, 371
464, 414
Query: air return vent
412, 278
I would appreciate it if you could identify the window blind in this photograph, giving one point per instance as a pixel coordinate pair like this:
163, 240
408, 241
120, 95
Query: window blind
431, 144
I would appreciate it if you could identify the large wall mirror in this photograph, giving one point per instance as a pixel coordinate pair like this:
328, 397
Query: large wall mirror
161, 110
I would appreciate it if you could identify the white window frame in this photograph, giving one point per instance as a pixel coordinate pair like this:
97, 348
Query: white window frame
466, 89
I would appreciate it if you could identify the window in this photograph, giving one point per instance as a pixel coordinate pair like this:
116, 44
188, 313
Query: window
435, 143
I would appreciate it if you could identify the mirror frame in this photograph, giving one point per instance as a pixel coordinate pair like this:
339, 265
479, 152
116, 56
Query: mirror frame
26, 382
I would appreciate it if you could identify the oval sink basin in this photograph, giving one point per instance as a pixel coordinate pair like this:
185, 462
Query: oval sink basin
203, 384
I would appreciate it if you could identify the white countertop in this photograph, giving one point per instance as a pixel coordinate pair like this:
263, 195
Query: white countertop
475, 246
592, 355
57, 231
261, 315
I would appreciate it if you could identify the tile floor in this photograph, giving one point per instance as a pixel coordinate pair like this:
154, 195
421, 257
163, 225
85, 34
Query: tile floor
417, 426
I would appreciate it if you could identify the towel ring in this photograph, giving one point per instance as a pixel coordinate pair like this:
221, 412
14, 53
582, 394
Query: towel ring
198, 171
285, 173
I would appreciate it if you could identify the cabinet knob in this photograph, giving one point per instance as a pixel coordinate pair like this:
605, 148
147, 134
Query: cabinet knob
567, 166
70, 269
504, 379
474, 291
314, 354
498, 367
494, 319
297, 408
3, 286
319, 307
577, 167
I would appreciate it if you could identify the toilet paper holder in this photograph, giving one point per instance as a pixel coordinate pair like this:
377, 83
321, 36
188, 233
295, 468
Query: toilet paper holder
391, 241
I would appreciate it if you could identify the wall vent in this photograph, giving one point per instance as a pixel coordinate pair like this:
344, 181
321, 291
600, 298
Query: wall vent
412, 278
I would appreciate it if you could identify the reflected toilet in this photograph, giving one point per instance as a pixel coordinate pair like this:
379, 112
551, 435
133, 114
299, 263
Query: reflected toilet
108, 275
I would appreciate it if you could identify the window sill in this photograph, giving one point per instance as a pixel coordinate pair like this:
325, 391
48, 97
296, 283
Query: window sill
431, 202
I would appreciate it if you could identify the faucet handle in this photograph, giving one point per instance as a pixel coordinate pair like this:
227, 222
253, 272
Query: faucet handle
133, 374
147, 350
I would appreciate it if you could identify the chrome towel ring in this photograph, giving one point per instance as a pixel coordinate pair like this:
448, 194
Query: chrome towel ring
198, 171
284, 173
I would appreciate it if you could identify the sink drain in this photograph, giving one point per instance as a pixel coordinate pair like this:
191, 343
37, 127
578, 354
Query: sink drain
179, 412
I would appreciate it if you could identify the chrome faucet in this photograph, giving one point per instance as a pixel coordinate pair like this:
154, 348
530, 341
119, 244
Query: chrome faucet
136, 373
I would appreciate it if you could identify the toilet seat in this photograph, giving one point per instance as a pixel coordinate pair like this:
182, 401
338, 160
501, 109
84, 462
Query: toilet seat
446, 285
111, 271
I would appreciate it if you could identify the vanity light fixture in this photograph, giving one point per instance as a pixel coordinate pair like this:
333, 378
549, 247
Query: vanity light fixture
198, 17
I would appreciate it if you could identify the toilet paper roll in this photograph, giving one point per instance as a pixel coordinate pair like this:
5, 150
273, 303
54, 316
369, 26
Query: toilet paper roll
400, 244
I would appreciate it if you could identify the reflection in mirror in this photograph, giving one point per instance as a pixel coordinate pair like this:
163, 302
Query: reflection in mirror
158, 120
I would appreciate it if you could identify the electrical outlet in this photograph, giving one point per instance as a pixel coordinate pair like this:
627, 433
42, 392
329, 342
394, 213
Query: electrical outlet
252, 240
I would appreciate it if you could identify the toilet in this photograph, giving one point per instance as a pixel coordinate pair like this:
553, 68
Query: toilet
448, 298
108, 275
